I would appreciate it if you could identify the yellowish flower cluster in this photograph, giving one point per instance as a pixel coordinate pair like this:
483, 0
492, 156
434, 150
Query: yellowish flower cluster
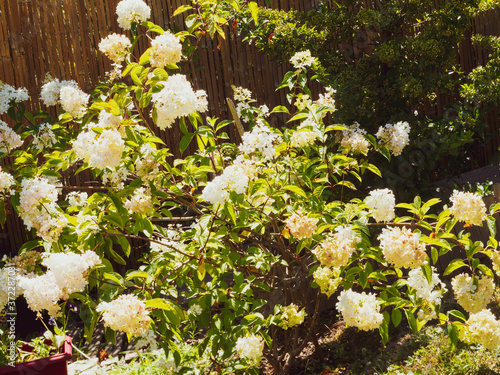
468, 207
381, 202
402, 247
327, 279
140, 202
471, 297
336, 250
495, 260
126, 313
482, 328
292, 316
301, 226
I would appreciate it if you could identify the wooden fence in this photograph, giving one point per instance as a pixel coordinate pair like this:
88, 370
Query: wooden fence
61, 38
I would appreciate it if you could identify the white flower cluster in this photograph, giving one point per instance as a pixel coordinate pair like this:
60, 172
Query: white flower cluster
108, 120
395, 136
327, 279
292, 316
77, 199
302, 59
45, 137
140, 202
251, 346
301, 226
360, 310
495, 260
402, 247
303, 138
468, 207
177, 99
147, 341
260, 139
9, 139
353, 139
115, 47
195, 310
431, 292
72, 99
147, 167
471, 297
335, 251
103, 151
233, 178
38, 208
6, 182
165, 49
126, 313
326, 99
66, 274
241, 94
382, 203
482, 328
115, 177
129, 11
9, 94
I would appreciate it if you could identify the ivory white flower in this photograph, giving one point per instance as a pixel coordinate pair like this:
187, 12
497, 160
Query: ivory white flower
126, 313
402, 247
301, 226
6, 182
353, 139
175, 100
431, 292
302, 59
233, 178
10, 94
395, 136
468, 207
73, 100
45, 137
9, 140
140, 202
482, 328
471, 297
360, 310
335, 251
165, 49
251, 347
115, 46
129, 11
382, 203
260, 139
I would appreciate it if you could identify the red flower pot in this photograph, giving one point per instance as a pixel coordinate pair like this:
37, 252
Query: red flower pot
54, 365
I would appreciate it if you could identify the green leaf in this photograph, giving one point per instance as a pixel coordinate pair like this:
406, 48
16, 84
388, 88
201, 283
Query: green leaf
454, 265
113, 277
434, 255
254, 10
412, 322
280, 109
230, 210
295, 189
30, 245
490, 220
396, 317
185, 141
384, 328
182, 9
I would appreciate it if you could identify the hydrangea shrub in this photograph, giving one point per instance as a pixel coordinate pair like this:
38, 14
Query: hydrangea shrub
240, 243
